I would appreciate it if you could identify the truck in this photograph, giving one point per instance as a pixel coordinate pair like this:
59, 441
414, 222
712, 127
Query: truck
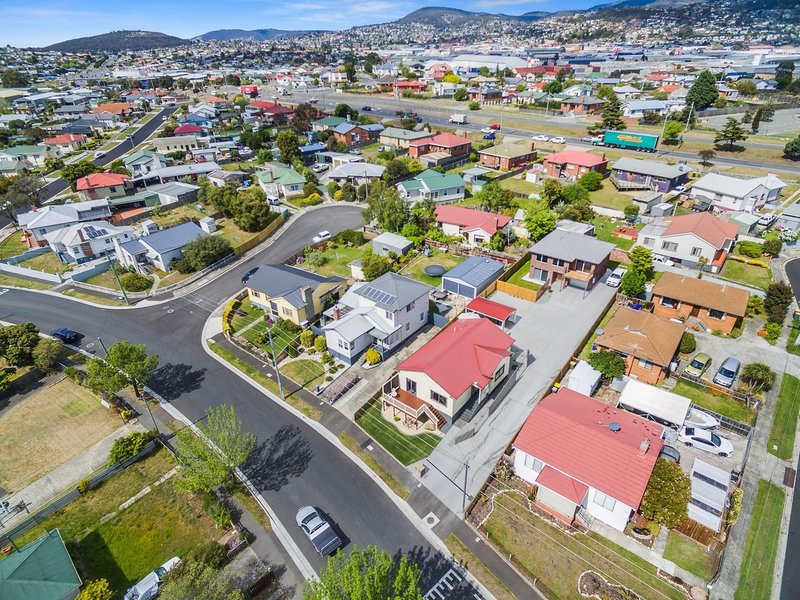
629, 140
319, 531
458, 118
249, 90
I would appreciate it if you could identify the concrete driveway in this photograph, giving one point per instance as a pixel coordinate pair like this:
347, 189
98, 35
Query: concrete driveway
550, 331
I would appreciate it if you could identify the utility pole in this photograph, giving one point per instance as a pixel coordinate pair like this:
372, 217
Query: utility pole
119, 283
663, 132
464, 491
689, 118
275, 365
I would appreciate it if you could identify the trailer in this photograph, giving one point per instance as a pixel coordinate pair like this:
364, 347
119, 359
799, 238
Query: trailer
630, 140
249, 90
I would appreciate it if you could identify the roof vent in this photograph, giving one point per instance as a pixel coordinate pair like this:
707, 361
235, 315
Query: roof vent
614, 426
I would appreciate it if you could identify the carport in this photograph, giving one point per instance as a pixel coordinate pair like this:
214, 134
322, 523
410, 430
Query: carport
494, 311
656, 404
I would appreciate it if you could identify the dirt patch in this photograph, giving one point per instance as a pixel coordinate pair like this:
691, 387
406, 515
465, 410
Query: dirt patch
48, 428
593, 585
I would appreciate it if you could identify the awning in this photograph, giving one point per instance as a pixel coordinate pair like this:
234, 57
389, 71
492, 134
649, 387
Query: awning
579, 275
563, 485
491, 309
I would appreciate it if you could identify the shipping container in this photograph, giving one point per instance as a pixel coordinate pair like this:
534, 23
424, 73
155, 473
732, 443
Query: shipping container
644, 142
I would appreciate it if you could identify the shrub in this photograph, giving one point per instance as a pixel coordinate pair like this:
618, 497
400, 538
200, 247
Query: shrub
326, 357
736, 506
610, 364
631, 211
773, 246
307, 338
181, 265
292, 351
667, 495
773, 331
758, 376
96, 590
320, 345
128, 446
212, 554
755, 306
219, 513
315, 259
135, 282
83, 486
750, 249
75, 375
46, 355
757, 263
350, 236
372, 356
776, 304
311, 200
633, 283
474, 105
688, 343
205, 251
591, 181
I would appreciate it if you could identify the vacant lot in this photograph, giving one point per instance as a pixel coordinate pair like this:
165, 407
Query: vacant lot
338, 258
48, 428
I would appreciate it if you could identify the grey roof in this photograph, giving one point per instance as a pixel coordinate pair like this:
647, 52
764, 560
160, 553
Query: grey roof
645, 104
392, 292
134, 247
392, 239
475, 271
173, 238
173, 188
725, 185
190, 169
357, 169
570, 246
287, 282
649, 167
792, 211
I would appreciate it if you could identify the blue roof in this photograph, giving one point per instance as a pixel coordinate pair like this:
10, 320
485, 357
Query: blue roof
311, 148
173, 238
475, 271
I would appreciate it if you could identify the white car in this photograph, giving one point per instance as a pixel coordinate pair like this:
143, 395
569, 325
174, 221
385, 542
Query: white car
705, 439
616, 277
767, 219
99, 154
148, 587
313, 100
487, 130
657, 258
319, 167
541, 138
558, 140
321, 237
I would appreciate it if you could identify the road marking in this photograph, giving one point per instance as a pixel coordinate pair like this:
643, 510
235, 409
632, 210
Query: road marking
446, 584
3, 291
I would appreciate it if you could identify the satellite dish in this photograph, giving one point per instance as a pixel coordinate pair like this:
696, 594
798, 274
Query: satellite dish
614, 426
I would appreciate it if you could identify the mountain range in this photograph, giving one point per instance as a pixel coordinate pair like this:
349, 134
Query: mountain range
116, 41
259, 35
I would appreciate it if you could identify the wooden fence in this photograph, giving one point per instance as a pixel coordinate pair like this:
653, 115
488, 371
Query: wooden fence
259, 237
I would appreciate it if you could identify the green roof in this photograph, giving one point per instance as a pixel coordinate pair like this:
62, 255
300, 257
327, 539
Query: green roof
281, 176
22, 150
143, 153
42, 570
433, 180
508, 150
329, 121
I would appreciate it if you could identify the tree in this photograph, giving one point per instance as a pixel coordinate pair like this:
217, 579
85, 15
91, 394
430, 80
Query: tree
758, 376
776, 304
344, 110
370, 60
12, 78
574, 192
216, 451
253, 212
756, 122
18, 192
641, 261
784, 73
256, 140
125, 364
667, 494
494, 198
747, 87
631, 211
474, 105
539, 220
672, 131
395, 169
706, 155
46, 355
374, 265
303, 115
350, 72
632, 283
610, 118
79, 169
96, 590
385, 206
580, 210
289, 145
591, 181
196, 580
731, 133
773, 246
460, 94
552, 192
703, 92
688, 343
18, 342
610, 364
451, 78
370, 574
53, 163
767, 111
205, 251
605, 92
792, 149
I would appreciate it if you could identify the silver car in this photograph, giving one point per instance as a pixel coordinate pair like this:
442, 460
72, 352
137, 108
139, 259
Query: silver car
727, 372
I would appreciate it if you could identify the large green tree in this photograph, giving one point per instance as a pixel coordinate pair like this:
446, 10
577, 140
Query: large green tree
792, 149
494, 198
13, 78
303, 115
703, 92
539, 220
784, 74
610, 118
18, 343
252, 211
289, 145
370, 574
641, 261
18, 193
345, 110
205, 251
385, 206
731, 133
667, 494
125, 364
76, 170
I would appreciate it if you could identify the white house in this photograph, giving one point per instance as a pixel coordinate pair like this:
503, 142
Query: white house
86, 241
732, 193
159, 248
176, 143
432, 185
583, 455
688, 238
143, 161
39, 222
383, 313
637, 108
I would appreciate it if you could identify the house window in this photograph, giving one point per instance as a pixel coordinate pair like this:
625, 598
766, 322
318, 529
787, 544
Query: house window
645, 364
606, 502
648, 241
540, 275
669, 246
437, 397
410, 307
697, 251
351, 345
669, 302
534, 464
541, 258
500, 372
287, 311
411, 386
716, 314
422, 316
558, 262
340, 343
113, 189
583, 266
388, 314
408, 326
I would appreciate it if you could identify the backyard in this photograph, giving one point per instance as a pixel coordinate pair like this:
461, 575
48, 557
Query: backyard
784, 425
416, 268
557, 559
609, 197
407, 449
522, 186
49, 427
12, 245
603, 229
338, 258
718, 402
748, 274
690, 555
761, 547
517, 278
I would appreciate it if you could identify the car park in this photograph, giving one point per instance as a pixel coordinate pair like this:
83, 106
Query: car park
68, 336
670, 453
705, 439
318, 530
727, 372
321, 236
663, 260
246, 277
149, 585
698, 365
541, 138
558, 140
616, 277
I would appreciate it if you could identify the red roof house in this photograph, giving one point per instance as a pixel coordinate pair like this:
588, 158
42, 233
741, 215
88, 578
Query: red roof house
66, 142
274, 111
581, 453
413, 86
474, 225
450, 144
188, 129
572, 164
427, 378
102, 185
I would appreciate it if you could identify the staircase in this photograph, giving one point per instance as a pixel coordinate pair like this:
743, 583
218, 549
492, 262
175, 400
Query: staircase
472, 406
434, 415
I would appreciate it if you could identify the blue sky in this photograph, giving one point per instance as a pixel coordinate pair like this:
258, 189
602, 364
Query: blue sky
41, 22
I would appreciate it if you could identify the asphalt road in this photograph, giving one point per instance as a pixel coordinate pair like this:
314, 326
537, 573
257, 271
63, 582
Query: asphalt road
140, 135
790, 584
293, 465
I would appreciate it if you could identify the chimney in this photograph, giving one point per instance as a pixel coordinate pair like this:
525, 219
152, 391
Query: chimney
644, 447
80, 234
533, 146
337, 313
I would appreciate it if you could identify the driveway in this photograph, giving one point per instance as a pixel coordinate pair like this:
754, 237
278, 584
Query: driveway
550, 332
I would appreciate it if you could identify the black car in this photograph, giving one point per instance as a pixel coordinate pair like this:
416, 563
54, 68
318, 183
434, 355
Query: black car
66, 335
366, 108
246, 277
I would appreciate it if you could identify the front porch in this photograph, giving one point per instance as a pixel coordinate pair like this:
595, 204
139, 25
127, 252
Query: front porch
415, 413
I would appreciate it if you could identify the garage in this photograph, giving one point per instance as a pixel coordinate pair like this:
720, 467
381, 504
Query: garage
472, 276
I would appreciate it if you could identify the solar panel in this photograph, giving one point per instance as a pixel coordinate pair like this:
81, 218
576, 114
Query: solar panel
379, 296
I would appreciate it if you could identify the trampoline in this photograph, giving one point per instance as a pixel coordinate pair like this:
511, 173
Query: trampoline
434, 270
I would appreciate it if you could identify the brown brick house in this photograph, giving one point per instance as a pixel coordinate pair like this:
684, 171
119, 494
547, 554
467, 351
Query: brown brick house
647, 342
507, 156
453, 145
715, 306
582, 105
351, 134
569, 258
572, 164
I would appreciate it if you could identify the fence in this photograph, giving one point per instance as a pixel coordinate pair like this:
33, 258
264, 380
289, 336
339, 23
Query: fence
259, 237
40, 515
748, 399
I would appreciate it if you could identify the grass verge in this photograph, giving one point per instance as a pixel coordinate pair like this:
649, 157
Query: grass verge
24, 283
784, 425
369, 460
405, 448
689, 555
475, 566
93, 298
250, 503
305, 372
761, 547
792, 347
716, 401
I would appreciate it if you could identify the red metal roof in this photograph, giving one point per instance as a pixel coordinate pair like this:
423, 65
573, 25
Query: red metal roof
475, 345
563, 485
65, 138
575, 157
570, 432
98, 180
469, 219
704, 225
188, 128
445, 140
271, 107
490, 308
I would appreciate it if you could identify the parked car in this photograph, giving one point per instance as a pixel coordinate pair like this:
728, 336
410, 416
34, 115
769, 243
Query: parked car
700, 420
727, 372
66, 335
246, 277
313, 100
319, 167
274, 200
705, 440
489, 136
99, 154
663, 260
321, 236
487, 130
767, 219
148, 587
495, 126
616, 277
366, 108
698, 365
670, 453
318, 530
541, 138
558, 140
355, 151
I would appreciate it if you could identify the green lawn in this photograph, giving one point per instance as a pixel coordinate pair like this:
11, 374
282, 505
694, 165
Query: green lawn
784, 425
558, 559
520, 185
246, 313
716, 401
337, 259
761, 547
517, 278
12, 245
304, 371
415, 269
689, 555
257, 335
97, 299
609, 197
405, 448
104, 279
792, 347
748, 274
23, 283
603, 228
47, 262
